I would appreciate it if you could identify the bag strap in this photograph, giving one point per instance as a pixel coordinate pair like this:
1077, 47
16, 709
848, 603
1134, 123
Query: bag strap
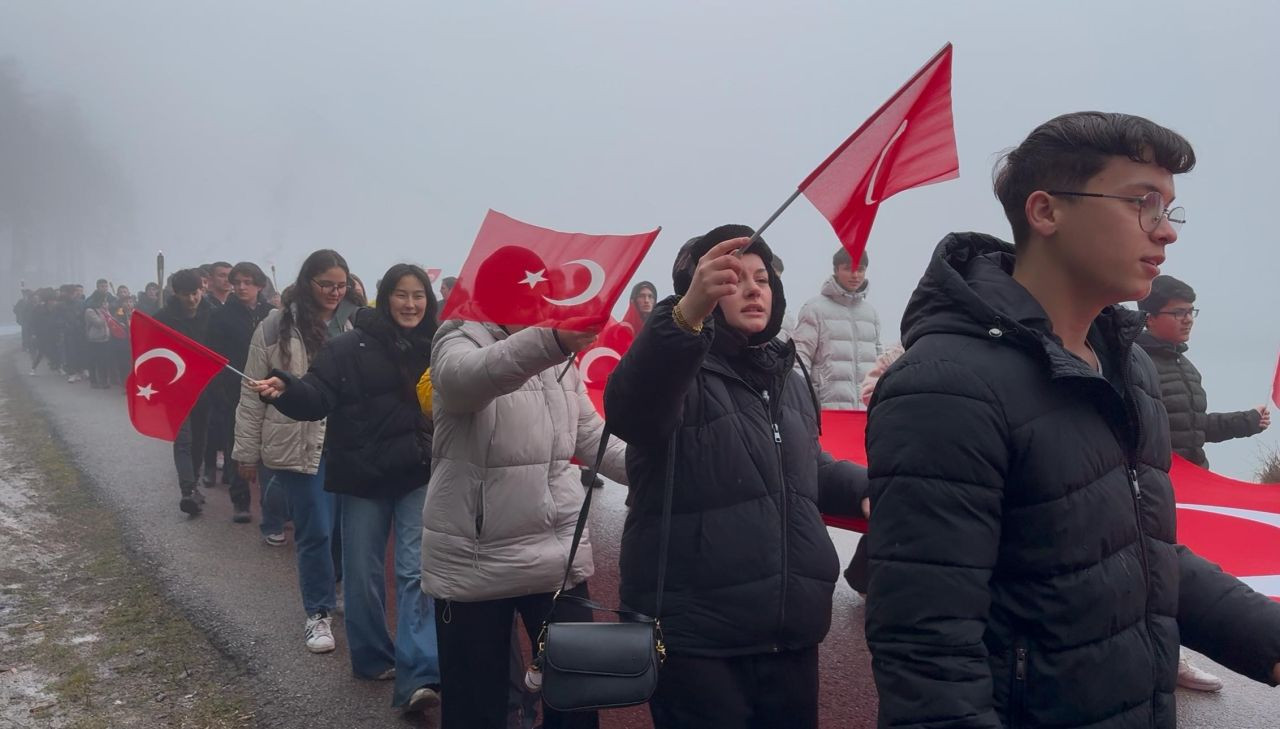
664, 534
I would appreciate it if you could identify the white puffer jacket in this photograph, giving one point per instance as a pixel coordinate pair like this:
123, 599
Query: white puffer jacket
838, 339
263, 434
503, 498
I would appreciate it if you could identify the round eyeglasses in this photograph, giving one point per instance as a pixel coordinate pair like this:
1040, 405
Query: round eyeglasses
1151, 209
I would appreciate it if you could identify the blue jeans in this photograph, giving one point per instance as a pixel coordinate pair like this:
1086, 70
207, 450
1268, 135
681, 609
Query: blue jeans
366, 526
274, 493
312, 510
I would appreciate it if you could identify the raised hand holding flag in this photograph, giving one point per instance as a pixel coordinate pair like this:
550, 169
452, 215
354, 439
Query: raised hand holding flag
520, 274
169, 373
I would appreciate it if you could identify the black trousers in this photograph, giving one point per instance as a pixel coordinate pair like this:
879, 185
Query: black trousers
475, 653
760, 691
99, 363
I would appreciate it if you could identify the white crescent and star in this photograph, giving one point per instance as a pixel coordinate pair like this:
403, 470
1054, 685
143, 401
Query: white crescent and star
591, 356
180, 368
592, 290
875, 171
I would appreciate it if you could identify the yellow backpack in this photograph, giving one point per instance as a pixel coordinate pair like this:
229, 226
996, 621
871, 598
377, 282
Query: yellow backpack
424, 392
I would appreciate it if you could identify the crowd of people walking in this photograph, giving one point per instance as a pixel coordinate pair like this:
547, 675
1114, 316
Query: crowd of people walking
1020, 566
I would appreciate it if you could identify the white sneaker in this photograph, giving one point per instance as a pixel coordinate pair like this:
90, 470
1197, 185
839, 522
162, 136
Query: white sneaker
1190, 677
424, 699
320, 634
32, 373
73, 378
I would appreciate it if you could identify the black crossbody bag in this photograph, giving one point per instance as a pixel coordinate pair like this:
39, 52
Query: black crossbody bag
589, 666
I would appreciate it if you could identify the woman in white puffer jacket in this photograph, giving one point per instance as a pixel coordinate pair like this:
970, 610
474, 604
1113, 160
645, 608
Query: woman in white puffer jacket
503, 502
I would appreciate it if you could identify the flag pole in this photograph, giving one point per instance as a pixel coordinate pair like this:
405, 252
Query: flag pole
760, 231
243, 376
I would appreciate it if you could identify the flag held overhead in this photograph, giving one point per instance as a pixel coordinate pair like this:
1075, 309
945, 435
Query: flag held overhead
908, 142
520, 274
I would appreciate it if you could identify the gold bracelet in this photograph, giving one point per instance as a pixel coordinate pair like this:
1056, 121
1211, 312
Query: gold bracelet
678, 316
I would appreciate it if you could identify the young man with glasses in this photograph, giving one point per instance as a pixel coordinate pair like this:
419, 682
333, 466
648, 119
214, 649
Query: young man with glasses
1170, 316
1024, 564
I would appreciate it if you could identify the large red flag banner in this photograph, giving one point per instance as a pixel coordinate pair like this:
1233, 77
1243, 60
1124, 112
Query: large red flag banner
1234, 524
520, 274
169, 373
908, 142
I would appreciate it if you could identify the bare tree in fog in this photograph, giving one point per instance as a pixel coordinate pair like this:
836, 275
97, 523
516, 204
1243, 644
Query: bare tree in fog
64, 209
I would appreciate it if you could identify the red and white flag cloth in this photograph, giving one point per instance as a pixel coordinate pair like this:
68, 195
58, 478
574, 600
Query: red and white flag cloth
1234, 524
910, 141
1275, 385
169, 373
521, 274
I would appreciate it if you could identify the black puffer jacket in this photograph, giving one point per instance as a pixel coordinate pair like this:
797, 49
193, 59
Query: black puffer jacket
230, 329
377, 441
751, 566
1024, 570
1190, 426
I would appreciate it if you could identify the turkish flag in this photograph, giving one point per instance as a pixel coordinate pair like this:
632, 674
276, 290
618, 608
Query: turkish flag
1235, 524
169, 373
598, 361
521, 274
910, 141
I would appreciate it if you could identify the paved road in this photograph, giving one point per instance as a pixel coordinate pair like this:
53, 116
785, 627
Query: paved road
245, 595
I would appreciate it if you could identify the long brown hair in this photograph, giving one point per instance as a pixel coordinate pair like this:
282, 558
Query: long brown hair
299, 308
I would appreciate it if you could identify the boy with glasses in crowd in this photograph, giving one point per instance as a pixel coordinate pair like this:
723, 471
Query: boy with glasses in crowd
1170, 316
1025, 569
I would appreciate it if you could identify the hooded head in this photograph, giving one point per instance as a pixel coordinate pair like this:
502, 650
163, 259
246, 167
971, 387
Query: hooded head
696, 248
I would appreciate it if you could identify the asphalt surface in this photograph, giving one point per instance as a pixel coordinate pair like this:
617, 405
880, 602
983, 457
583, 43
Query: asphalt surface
244, 594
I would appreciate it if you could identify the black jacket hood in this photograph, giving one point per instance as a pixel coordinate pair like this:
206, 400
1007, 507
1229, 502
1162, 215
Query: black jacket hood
969, 289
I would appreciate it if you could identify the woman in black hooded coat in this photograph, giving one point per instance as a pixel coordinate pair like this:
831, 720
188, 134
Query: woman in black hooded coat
378, 461
751, 569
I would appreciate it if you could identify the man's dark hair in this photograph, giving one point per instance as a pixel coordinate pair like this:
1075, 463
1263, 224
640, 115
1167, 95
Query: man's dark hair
1163, 290
185, 281
102, 281
205, 270
152, 286
778, 266
219, 264
250, 269
1066, 151
449, 281
842, 257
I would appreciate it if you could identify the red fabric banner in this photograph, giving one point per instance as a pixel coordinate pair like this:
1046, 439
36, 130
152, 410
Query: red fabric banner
169, 373
908, 142
520, 274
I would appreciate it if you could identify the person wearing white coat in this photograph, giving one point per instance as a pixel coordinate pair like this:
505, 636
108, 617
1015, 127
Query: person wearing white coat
837, 335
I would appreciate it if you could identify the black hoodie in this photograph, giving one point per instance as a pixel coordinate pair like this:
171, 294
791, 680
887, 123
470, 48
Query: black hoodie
752, 567
1024, 569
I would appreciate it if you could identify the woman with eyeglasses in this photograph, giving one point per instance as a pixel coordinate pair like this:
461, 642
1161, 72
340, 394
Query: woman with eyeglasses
288, 455
378, 461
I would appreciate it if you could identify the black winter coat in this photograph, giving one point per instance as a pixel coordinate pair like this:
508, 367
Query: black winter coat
193, 327
377, 441
1190, 426
1024, 569
230, 330
751, 567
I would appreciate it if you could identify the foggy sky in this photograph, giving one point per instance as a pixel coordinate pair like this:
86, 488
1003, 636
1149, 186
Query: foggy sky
262, 131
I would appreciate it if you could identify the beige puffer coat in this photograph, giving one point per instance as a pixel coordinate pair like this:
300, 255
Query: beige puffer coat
503, 498
263, 434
